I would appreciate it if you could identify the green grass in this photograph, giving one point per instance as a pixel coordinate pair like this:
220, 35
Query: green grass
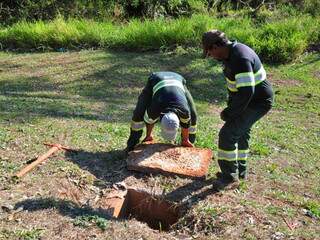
85, 100
23, 234
89, 220
276, 41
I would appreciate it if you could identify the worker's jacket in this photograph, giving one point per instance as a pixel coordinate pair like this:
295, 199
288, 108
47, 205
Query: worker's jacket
246, 81
164, 92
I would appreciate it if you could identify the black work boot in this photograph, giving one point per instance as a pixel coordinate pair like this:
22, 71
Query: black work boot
225, 182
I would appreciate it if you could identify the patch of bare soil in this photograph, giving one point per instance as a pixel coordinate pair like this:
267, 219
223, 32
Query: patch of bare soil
54, 201
283, 82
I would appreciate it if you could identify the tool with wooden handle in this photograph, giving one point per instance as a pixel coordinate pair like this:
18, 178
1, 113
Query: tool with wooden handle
54, 148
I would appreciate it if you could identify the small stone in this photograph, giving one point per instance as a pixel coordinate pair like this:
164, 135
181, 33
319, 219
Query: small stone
7, 208
277, 236
251, 220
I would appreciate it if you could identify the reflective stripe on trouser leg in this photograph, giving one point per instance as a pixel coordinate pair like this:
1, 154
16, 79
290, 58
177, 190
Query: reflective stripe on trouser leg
243, 152
242, 163
227, 151
227, 161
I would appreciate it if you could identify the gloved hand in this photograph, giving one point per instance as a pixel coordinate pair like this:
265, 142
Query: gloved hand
148, 139
186, 143
133, 139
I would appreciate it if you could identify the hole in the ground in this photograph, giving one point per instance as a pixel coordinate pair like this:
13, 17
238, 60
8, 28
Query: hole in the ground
158, 213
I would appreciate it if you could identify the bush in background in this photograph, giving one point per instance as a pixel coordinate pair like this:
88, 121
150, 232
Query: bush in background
277, 41
13, 11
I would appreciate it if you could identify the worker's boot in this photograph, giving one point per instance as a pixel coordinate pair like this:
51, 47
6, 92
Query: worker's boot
228, 178
224, 183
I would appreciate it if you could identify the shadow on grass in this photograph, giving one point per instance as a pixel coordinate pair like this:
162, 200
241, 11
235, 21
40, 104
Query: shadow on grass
108, 167
111, 81
65, 207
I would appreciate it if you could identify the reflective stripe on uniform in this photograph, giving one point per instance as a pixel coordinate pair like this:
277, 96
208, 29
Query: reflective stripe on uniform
193, 129
137, 126
260, 76
245, 79
184, 120
166, 83
231, 85
243, 154
227, 155
250, 78
149, 120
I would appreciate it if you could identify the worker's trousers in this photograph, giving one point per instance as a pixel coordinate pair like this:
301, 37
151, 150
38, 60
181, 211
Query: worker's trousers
234, 143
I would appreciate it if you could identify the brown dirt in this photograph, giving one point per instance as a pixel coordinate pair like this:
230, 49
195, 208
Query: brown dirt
53, 200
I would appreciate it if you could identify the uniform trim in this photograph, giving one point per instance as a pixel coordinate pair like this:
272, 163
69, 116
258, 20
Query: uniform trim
166, 83
243, 154
184, 120
149, 120
137, 126
231, 85
227, 155
245, 79
193, 129
249, 78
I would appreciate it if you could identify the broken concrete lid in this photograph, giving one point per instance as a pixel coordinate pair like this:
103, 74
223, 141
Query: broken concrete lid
170, 159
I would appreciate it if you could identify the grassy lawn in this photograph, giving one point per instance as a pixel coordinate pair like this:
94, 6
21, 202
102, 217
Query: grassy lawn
85, 100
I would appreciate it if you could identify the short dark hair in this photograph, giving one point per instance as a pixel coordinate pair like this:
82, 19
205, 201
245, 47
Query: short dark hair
214, 37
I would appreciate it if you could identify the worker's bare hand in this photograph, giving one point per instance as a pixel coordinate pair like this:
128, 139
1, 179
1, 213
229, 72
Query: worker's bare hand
148, 139
186, 143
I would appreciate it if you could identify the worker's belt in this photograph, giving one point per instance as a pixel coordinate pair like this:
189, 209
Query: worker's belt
166, 83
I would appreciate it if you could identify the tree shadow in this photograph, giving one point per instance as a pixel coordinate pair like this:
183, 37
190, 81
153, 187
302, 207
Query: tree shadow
65, 207
111, 167
108, 167
114, 85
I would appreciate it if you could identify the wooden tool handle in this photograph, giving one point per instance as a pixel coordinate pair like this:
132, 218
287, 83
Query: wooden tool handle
39, 160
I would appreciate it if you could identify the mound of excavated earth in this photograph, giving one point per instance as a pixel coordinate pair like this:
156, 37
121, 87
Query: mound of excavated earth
170, 159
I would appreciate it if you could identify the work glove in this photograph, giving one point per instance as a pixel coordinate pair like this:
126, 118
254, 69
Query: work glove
133, 140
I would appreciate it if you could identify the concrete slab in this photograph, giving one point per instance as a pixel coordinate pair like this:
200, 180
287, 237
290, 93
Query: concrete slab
170, 159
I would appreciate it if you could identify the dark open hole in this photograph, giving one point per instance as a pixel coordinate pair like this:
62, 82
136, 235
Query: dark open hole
158, 213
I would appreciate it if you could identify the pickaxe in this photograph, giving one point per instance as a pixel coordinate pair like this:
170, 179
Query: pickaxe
54, 148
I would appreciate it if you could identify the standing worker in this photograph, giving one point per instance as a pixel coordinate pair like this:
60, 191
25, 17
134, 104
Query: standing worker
250, 98
165, 98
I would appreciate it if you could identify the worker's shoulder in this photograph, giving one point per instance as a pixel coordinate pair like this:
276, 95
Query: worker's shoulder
242, 51
166, 75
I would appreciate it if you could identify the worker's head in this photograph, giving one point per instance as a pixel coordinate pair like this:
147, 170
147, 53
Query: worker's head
169, 126
214, 44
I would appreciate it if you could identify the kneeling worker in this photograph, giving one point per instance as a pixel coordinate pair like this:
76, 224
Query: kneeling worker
165, 98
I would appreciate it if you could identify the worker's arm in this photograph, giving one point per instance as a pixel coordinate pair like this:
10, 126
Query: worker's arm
245, 84
137, 123
185, 138
193, 114
148, 137
184, 117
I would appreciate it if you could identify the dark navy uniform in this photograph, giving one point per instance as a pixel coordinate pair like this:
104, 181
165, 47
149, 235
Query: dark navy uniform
250, 98
164, 92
